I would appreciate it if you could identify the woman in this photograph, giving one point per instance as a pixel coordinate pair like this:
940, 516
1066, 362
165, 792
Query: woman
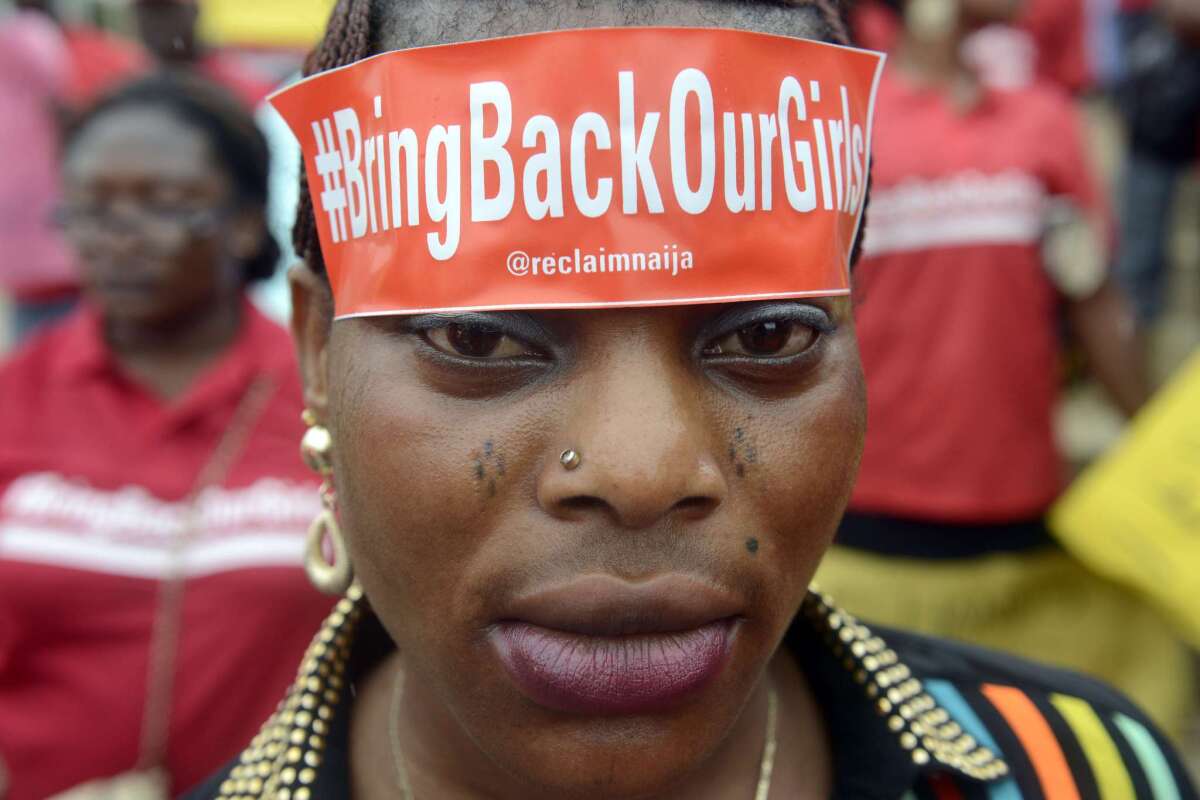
152, 504
948, 513
586, 536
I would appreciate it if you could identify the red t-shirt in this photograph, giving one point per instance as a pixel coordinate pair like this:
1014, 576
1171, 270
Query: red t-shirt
956, 316
99, 62
94, 475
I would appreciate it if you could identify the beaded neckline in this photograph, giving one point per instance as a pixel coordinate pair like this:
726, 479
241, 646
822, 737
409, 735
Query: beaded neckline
283, 760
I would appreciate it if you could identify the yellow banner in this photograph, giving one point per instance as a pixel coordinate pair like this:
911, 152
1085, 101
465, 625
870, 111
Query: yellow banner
264, 23
1135, 515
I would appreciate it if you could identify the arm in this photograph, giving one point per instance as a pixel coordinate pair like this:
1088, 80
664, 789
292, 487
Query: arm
1107, 332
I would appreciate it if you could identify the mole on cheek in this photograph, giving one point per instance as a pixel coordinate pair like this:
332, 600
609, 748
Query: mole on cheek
752, 546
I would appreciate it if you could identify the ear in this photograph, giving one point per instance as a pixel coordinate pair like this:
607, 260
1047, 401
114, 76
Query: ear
312, 319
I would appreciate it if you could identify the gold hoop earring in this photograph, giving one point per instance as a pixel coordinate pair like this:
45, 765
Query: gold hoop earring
331, 578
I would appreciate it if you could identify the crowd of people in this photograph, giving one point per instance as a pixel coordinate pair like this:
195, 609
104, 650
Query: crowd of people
168, 547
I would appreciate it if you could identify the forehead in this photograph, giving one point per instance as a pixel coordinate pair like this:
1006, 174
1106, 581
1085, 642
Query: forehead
400, 24
139, 143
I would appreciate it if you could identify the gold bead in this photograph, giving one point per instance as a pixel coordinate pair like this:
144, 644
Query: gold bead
316, 448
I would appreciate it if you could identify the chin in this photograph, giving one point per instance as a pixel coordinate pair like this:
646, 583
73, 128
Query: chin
610, 758
604, 755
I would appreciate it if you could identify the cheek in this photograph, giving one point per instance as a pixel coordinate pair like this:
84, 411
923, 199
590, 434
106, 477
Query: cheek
809, 452
421, 480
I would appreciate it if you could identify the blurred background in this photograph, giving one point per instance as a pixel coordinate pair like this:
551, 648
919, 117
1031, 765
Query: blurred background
149, 427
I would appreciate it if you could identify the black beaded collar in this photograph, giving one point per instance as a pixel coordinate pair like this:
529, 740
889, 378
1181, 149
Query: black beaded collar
904, 728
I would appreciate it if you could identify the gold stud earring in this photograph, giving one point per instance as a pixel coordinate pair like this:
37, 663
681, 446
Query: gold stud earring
329, 577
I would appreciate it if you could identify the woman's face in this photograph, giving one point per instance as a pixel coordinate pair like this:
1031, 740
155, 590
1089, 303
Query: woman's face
601, 626
151, 213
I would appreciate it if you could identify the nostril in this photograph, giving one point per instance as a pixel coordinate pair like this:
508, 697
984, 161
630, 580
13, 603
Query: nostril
583, 503
696, 506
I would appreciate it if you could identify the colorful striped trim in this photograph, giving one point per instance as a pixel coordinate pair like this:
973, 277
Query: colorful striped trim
1150, 756
1112, 778
1035, 736
951, 700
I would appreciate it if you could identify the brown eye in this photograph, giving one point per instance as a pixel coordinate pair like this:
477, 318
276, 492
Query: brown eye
767, 339
473, 341
468, 340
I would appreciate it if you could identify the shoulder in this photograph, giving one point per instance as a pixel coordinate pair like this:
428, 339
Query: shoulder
30, 370
1062, 734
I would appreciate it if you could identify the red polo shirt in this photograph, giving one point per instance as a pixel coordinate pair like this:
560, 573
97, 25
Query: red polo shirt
956, 315
94, 475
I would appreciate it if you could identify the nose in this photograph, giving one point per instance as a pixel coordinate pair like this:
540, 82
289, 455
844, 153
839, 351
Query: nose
646, 450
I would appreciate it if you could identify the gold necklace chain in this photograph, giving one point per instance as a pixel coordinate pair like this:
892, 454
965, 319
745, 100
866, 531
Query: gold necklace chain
766, 766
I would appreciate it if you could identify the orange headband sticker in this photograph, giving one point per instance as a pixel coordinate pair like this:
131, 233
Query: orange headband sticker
589, 168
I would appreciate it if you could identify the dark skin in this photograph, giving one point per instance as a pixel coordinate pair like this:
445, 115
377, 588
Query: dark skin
655, 400
168, 29
161, 239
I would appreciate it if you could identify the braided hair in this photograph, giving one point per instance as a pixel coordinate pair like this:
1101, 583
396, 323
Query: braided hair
350, 37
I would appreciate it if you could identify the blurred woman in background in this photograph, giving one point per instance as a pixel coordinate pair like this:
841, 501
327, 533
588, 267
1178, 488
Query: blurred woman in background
150, 488
986, 230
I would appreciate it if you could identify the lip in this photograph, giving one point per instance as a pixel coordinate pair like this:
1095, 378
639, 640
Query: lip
599, 645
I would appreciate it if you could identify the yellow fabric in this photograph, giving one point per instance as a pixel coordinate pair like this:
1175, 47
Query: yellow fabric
1108, 767
1041, 605
1135, 515
264, 23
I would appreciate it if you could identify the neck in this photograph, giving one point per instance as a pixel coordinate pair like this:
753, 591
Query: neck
931, 59
938, 63
441, 762
168, 355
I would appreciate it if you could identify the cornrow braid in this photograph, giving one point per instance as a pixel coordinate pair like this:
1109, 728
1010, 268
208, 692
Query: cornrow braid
833, 13
348, 38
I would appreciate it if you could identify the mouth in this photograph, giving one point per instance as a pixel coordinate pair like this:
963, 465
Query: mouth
602, 646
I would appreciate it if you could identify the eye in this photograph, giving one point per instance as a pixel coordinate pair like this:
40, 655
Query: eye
477, 341
779, 338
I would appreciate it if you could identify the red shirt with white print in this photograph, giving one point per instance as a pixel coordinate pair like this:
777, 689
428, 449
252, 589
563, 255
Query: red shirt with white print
956, 316
95, 476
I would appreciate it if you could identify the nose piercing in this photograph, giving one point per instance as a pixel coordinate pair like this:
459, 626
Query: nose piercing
569, 459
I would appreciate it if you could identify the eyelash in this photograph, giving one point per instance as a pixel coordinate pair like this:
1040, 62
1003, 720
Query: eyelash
808, 316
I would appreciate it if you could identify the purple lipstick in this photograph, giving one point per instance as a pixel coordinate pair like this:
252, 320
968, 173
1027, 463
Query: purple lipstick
602, 646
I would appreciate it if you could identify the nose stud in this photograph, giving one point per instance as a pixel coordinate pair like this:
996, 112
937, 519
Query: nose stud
570, 459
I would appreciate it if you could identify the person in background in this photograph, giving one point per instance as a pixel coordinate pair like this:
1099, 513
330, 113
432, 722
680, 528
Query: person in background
976, 193
168, 30
1159, 99
35, 264
1045, 42
99, 60
151, 491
